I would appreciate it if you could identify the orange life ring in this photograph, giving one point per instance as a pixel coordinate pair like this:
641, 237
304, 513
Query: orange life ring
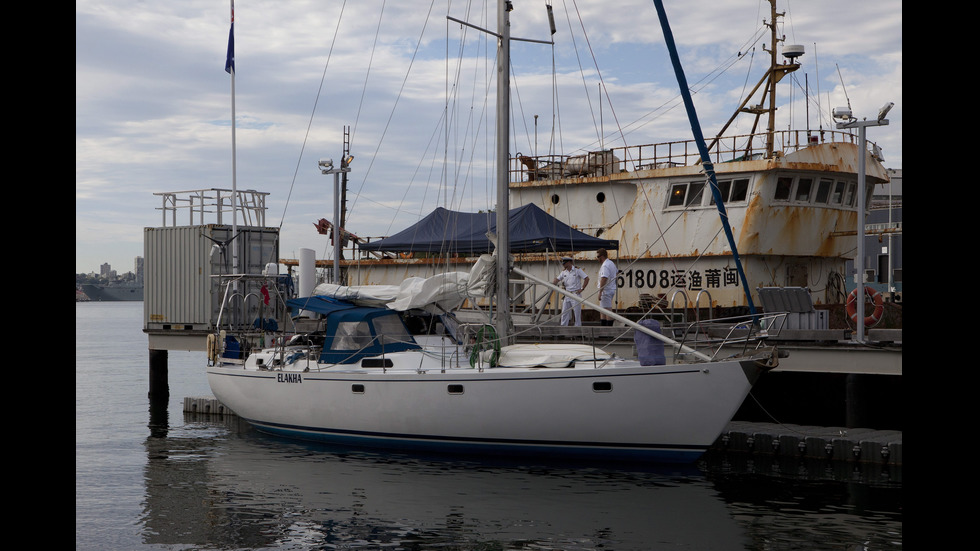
875, 296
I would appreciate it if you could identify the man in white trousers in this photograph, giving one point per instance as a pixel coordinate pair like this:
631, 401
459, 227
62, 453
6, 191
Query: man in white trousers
573, 279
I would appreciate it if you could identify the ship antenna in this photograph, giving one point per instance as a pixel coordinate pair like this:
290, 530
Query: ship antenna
842, 86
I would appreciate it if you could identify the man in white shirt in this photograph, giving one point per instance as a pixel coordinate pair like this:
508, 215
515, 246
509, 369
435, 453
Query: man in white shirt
607, 284
573, 279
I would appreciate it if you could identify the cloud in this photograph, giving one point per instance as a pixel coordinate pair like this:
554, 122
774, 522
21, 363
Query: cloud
153, 103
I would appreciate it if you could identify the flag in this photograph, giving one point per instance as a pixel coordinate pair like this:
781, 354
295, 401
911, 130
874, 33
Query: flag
230, 61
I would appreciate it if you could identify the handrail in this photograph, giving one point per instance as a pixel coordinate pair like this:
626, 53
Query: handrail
665, 155
672, 297
697, 302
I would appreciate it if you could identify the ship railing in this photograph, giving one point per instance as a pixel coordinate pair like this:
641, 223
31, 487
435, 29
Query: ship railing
668, 155
739, 334
246, 206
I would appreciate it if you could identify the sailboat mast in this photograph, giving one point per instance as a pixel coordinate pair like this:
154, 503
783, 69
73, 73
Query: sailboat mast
230, 67
502, 323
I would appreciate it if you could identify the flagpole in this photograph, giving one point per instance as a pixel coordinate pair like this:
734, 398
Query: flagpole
230, 68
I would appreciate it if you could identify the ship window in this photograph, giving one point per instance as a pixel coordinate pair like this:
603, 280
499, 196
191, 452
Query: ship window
602, 386
724, 187
455, 389
677, 193
600, 197
740, 190
731, 191
803, 189
555, 199
686, 195
823, 191
783, 187
838, 195
694, 194
851, 197
357, 389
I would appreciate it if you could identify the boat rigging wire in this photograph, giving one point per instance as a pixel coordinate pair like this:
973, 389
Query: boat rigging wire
309, 124
401, 90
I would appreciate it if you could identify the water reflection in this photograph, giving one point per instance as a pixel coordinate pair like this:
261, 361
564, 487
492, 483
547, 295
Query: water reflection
242, 489
220, 484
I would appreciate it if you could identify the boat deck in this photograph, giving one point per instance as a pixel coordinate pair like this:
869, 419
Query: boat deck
812, 351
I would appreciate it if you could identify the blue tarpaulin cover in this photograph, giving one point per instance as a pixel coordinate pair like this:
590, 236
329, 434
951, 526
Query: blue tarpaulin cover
319, 304
451, 232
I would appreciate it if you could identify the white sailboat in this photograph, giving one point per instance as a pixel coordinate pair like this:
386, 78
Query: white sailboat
354, 374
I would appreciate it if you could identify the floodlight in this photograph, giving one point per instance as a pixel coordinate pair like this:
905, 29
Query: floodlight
884, 110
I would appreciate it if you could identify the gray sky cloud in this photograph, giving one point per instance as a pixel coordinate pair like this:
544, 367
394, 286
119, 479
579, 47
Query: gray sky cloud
153, 101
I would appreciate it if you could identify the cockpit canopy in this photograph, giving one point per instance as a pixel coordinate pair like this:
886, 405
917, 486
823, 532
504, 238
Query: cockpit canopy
356, 332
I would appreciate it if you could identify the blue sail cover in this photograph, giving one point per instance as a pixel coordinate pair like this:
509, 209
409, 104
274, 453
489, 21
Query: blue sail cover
451, 232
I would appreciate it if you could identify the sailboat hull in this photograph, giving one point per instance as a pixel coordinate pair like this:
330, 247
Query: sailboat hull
660, 413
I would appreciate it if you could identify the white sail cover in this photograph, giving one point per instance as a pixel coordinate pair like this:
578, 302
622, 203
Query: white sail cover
545, 355
438, 293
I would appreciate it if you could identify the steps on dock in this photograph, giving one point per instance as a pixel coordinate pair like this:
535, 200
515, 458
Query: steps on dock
206, 405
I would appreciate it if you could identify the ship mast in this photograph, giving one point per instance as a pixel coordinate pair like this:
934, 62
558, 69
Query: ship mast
775, 73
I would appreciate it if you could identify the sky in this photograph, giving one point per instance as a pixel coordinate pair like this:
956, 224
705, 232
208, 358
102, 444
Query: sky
153, 103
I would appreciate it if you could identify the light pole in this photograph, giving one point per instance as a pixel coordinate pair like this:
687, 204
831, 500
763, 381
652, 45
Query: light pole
326, 167
846, 120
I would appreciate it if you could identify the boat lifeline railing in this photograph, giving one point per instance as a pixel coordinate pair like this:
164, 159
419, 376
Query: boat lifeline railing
733, 332
615, 160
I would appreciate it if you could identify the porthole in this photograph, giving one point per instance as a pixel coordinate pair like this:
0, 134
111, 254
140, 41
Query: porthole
357, 389
555, 199
600, 197
455, 389
602, 386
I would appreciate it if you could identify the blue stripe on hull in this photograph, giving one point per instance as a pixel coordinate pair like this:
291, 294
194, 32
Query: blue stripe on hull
579, 450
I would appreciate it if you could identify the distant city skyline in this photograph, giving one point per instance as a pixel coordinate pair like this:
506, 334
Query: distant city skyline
105, 269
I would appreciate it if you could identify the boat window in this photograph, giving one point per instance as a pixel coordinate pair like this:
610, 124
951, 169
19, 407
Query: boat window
357, 389
602, 386
724, 188
803, 189
694, 194
351, 335
838, 195
555, 199
783, 187
377, 362
600, 197
851, 198
392, 328
823, 191
455, 389
867, 198
740, 190
677, 193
